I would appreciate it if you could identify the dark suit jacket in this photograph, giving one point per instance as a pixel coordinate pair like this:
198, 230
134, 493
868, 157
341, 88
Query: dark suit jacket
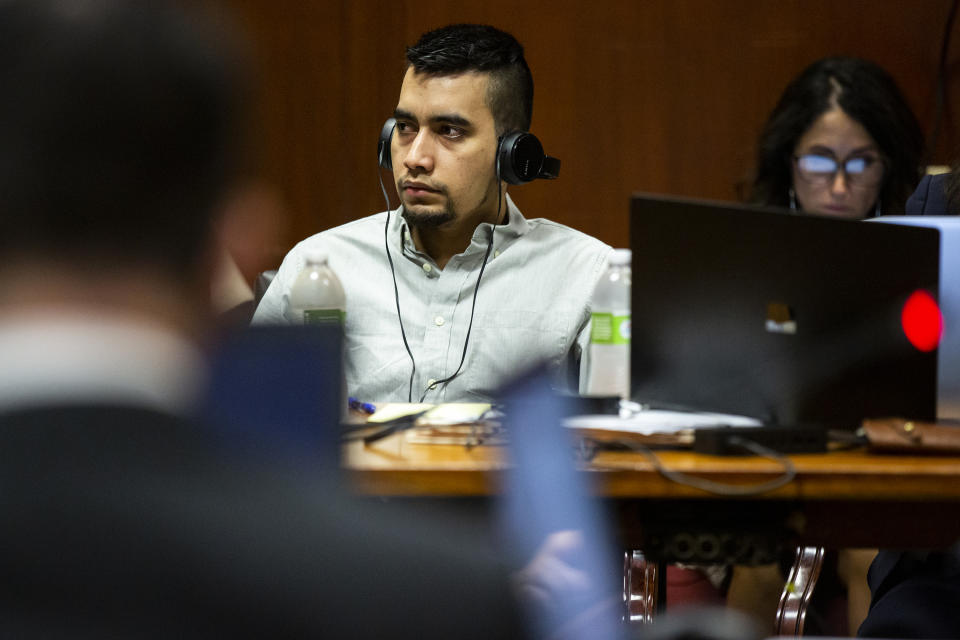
929, 198
915, 594
127, 522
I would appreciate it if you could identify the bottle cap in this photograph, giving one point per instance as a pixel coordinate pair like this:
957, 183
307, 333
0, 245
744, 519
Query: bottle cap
621, 257
314, 255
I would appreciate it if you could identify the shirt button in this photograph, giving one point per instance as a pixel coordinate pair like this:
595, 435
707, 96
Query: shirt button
427, 267
496, 254
438, 321
431, 383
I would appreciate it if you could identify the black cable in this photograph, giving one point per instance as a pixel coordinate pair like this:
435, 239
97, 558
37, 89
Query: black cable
396, 292
941, 92
720, 488
473, 305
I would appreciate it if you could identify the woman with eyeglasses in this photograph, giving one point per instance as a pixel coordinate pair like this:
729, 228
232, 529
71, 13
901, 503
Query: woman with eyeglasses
841, 141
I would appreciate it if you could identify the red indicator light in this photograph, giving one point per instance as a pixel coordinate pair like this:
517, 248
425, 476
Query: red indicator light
922, 321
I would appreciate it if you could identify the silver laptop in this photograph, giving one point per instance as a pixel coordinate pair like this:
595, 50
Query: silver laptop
948, 362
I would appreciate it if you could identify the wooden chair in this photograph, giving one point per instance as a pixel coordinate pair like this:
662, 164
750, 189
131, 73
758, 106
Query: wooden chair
798, 591
642, 584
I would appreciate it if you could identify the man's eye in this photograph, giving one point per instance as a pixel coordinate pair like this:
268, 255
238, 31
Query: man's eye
403, 127
450, 131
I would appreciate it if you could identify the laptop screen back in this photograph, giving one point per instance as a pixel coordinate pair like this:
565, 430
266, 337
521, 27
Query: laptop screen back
788, 318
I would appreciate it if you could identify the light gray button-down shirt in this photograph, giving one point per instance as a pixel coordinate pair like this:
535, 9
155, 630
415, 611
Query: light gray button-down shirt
533, 305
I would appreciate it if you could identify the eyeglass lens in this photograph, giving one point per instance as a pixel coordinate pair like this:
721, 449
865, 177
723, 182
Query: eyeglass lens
820, 166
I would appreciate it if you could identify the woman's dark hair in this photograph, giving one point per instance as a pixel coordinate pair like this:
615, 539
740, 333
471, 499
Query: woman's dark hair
867, 94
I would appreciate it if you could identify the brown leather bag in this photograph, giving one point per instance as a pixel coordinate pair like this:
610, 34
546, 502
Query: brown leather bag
897, 435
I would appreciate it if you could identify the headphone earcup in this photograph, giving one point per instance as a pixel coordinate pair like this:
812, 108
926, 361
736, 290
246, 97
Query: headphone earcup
519, 157
383, 146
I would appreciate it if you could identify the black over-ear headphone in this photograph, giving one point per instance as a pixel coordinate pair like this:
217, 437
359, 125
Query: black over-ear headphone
520, 157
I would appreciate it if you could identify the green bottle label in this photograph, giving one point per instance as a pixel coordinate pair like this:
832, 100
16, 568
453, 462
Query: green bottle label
607, 328
324, 316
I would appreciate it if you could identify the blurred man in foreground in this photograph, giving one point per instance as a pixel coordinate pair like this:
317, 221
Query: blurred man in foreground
121, 515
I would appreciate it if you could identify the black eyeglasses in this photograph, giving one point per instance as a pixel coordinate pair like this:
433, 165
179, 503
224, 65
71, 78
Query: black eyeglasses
859, 171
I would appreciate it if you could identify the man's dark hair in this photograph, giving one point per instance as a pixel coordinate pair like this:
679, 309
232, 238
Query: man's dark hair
118, 125
866, 93
460, 48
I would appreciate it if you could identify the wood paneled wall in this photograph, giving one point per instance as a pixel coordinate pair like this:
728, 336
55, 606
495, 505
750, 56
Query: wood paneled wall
650, 95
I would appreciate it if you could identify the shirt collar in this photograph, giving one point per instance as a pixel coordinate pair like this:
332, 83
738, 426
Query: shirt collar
504, 234
88, 358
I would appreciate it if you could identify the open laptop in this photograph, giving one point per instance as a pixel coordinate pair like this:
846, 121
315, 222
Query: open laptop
791, 319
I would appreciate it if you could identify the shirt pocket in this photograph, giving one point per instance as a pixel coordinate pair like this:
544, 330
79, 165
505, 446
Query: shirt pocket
508, 342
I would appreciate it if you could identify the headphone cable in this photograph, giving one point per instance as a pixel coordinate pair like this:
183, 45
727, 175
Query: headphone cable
396, 292
396, 295
473, 305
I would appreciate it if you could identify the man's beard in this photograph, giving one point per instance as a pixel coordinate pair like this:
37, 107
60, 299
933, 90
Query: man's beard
428, 219
420, 216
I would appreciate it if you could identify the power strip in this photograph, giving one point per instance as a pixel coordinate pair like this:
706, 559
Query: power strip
725, 441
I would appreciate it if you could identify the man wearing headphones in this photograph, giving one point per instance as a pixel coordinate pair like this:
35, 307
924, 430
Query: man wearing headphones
455, 292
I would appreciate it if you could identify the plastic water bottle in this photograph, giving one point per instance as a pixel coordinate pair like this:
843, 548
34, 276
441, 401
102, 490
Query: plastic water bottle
608, 362
317, 296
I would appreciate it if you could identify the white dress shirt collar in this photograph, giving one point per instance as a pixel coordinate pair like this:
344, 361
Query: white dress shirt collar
88, 358
516, 226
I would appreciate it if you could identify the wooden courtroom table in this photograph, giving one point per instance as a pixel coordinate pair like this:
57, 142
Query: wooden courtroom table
847, 498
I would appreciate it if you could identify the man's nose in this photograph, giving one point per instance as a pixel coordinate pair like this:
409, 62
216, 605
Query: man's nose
419, 156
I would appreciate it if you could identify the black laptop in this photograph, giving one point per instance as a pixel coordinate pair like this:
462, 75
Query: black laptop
791, 319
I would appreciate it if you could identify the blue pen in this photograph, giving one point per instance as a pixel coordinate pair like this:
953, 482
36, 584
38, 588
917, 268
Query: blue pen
356, 405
